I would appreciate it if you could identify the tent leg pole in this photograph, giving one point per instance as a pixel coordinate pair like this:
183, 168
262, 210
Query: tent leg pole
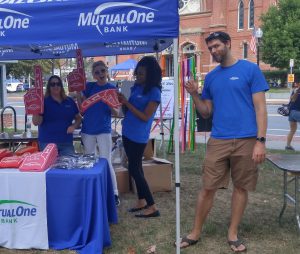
176, 143
162, 141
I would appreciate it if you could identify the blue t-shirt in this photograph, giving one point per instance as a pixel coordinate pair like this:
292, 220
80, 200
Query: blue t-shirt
97, 118
296, 104
133, 127
230, 89
57, 118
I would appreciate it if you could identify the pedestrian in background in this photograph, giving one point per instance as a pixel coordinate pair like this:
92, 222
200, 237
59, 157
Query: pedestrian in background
294, 116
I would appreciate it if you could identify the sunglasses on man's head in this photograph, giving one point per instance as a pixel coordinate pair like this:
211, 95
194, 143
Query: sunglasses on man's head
100, 71
218, 35
53, 84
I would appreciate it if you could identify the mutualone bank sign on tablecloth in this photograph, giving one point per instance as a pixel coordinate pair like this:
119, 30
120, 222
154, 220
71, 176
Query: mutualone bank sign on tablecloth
23, 217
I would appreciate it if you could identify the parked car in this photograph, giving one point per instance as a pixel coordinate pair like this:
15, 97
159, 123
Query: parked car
14, 85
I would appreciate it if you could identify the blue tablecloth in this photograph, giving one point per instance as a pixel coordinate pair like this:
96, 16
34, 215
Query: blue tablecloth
80, 205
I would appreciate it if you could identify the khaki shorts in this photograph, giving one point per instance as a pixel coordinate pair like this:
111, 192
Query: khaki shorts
225, 157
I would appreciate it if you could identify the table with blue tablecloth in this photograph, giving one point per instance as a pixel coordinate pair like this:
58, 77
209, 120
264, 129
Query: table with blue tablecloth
80, 205
58, 209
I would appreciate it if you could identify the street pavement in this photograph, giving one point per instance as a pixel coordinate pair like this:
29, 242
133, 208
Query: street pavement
274, 140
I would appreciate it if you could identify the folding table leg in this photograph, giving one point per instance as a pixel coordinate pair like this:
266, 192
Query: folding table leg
284, 195
297, 201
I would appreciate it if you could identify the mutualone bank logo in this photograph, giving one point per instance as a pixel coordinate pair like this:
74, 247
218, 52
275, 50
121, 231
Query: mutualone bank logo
11, 19
117, 22
13, 210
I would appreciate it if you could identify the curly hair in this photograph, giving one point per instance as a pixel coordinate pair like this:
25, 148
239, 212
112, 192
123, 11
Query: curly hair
153, 73
62, 91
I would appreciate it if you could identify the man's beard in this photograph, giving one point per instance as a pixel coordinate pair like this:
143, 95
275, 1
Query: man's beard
218, 59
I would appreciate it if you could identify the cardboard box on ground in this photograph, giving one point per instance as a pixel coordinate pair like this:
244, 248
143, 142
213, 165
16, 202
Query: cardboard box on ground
122, 176
119, 156
150, 149
158, 172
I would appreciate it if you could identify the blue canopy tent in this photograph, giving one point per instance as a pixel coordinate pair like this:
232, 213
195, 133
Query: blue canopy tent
35, 29
126, 66
45, 29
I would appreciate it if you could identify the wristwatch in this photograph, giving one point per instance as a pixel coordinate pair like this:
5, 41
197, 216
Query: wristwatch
261, 139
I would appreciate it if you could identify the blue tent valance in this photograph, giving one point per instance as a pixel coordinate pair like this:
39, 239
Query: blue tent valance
34, 29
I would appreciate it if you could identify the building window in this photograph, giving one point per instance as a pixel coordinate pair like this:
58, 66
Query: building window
245, 50
188, 48
251, 14
241, 15
182, 4
169, 66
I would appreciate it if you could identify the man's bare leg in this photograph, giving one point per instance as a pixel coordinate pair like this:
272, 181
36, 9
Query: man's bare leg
203, 206
238, 205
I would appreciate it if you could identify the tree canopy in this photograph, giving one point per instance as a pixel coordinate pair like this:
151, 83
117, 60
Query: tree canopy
281, 38
24, 68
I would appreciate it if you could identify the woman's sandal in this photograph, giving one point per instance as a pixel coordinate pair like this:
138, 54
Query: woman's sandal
136, 209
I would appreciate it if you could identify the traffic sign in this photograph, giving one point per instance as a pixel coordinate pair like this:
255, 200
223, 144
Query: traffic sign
291, 63
291, 78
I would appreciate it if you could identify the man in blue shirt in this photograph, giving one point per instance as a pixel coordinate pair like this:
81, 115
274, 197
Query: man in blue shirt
234, 94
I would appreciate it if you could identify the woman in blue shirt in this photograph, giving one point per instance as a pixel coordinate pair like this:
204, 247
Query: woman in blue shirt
96, 125
140, 110
60, 118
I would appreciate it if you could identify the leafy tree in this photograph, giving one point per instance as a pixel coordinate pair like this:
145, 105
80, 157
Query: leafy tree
24, 68
281, 40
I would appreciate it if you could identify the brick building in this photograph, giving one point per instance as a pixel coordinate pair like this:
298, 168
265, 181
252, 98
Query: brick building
198, 18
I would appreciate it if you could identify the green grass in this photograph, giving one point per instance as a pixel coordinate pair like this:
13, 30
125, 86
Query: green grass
260, 228
279, 90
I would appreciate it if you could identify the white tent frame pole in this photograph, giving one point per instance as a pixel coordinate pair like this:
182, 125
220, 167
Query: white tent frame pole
176, 143
162, 134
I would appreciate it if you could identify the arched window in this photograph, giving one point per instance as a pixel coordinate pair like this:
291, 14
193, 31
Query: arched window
251, 14
241, 15
188, 48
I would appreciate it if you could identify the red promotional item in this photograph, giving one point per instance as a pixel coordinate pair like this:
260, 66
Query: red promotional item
41, 161
34, 98
38, 79
5, 153
26, 149
76, 79
34, 104
13, 161
108, 96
